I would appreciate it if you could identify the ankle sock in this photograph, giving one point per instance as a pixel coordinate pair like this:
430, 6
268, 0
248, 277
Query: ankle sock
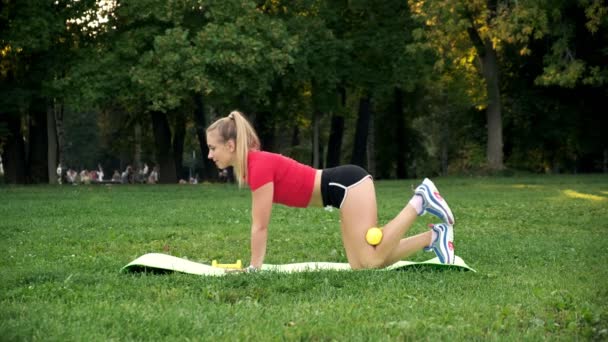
416, 202
433, 237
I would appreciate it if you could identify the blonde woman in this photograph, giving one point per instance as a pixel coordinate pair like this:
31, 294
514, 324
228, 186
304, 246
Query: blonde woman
273, 178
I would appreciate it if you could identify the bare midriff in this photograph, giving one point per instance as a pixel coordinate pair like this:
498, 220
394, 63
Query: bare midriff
316, 200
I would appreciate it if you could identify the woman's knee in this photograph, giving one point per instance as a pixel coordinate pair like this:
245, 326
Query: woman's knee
371, 260
368, 266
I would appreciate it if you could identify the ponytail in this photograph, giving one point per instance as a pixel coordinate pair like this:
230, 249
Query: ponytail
236, 127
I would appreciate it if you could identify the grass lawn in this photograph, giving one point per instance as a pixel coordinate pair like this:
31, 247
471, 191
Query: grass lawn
538, 243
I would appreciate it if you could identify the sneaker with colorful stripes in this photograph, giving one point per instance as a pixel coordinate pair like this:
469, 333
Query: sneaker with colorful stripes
443, 246
433, 203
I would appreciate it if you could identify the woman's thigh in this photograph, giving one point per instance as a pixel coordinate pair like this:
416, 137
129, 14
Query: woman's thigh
358, 214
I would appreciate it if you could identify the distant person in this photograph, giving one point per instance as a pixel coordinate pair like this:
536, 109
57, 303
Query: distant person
85, 178
99, 173
144, 171
93, 176
273, 178
116, 177
153, 178
136, 176
59, 172
127, 175
71, 176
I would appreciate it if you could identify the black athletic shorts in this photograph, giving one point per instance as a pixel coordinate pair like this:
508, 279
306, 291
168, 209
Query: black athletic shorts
336, 181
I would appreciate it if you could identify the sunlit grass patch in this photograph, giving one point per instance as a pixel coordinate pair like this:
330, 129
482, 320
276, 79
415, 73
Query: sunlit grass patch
576, 194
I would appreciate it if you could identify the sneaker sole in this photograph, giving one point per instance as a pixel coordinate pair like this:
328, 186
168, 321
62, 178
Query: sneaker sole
445, 211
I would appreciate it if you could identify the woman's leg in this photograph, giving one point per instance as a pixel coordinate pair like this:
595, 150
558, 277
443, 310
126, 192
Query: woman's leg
409, 246
359, 213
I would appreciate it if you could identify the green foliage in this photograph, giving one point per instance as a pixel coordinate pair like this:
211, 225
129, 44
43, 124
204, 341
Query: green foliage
318, 62
566, 26
34, 50
244, 56
286, 60
383, 54
533, 240
540, 43
161, 72
585, 27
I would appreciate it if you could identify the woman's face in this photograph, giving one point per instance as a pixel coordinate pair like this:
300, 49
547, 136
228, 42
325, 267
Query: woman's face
221, 152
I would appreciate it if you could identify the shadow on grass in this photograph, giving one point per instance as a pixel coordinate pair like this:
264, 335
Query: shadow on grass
135, 269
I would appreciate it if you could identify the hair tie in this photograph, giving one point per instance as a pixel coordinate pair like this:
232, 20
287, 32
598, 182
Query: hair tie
231, 116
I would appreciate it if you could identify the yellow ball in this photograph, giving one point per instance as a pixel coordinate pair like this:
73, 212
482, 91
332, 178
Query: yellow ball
373, 236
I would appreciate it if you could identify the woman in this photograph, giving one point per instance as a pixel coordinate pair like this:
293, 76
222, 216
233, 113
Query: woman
273, 178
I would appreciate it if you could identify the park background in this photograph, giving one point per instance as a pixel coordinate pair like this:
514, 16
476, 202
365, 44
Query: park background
403, 88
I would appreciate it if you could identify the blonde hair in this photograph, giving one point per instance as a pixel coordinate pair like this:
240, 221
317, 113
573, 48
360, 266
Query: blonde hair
236, 127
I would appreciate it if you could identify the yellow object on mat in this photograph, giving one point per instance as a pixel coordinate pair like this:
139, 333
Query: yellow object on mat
236, 266
374, 236
156, 262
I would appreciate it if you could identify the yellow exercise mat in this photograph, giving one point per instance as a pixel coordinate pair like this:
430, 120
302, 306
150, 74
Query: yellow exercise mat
160, 263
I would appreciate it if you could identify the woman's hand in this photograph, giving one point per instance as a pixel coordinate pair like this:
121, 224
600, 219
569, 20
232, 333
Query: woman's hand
248, 269
251, 269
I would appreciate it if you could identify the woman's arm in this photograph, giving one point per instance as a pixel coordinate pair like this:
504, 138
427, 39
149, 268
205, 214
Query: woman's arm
261, 208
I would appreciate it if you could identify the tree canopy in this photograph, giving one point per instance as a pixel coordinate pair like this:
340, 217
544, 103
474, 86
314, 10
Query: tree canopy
404, 88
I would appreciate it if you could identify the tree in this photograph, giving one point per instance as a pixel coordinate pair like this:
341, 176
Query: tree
385, 63
314, 73
557, 85
457, 29
35, 49
576, 33
490, 29
160, 58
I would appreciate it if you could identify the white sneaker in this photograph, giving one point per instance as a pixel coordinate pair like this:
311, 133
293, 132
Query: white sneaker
433, 203
443, 246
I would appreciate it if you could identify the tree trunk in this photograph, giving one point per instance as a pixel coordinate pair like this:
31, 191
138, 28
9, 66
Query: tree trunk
178, 144
38, 153
443, 147
137, 153
605, 162
493, 112
295, 136
361, 132
444, 137
53, 160
334, 146
489, 70
58, 112
400, 148
371, 146
14, 152
316, 123
200, 120
264, 125
164, 153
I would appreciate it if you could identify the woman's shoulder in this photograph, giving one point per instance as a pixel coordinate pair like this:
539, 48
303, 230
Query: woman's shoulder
266, 160
262, 155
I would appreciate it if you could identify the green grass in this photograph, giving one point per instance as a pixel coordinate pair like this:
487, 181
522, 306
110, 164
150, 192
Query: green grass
539, 245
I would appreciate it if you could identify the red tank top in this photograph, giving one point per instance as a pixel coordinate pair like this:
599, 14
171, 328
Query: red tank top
293, 181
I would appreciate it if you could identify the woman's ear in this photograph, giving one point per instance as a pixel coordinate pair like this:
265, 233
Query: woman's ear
231, 145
